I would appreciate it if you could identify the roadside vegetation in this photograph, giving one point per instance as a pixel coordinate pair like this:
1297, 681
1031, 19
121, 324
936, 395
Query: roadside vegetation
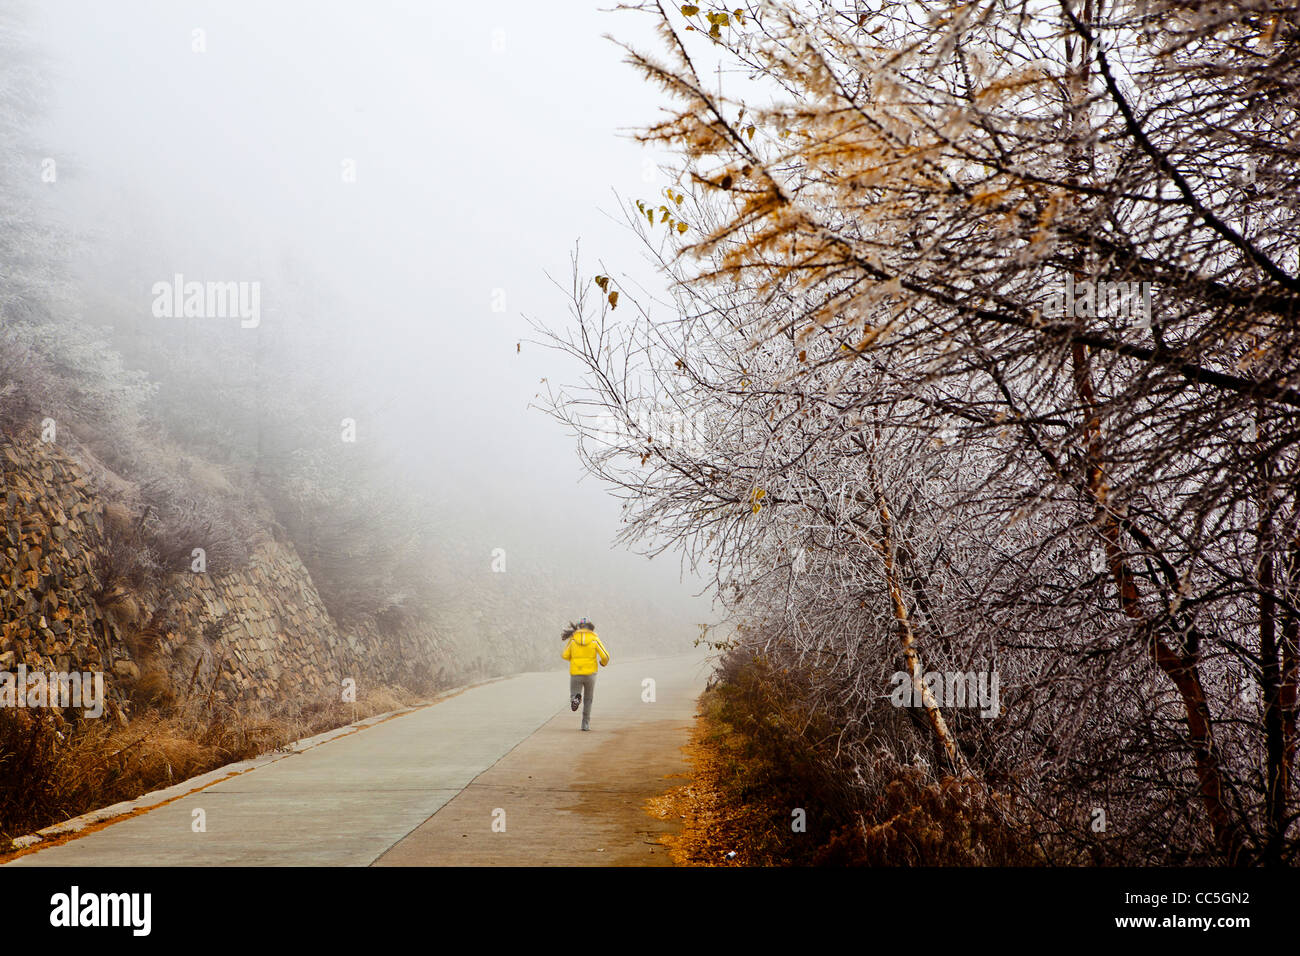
772, 784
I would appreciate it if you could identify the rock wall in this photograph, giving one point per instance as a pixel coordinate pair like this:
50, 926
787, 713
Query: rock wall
260, 633
47, 617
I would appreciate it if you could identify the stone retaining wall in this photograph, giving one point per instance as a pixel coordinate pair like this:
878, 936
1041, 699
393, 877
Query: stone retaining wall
257, 633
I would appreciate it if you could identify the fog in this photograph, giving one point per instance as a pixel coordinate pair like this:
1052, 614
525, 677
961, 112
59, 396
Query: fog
406, 182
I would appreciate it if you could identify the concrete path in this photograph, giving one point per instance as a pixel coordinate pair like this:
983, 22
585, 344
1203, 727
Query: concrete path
498, 774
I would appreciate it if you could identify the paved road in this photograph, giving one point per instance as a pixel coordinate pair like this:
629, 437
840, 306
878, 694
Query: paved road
498, 774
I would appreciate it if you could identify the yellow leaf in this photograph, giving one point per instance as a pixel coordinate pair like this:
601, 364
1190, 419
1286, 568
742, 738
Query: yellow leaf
750, 133
682, 227
689, 10
613, 300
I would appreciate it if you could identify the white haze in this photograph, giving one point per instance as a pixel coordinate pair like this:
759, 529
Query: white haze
486, 140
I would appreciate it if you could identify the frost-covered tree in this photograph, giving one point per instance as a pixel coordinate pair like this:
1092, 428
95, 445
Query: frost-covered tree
987, 313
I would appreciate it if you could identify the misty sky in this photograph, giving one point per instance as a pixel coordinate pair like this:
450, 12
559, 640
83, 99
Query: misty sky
486, 140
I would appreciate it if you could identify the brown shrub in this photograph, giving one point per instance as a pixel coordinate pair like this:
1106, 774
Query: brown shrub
761, 751
153, 689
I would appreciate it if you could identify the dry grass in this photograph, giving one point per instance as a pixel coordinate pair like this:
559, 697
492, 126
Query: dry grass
738, 808
757, 756
715, 829
52, 770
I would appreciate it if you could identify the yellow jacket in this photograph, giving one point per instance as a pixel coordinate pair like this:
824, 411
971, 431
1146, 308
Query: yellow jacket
581, 652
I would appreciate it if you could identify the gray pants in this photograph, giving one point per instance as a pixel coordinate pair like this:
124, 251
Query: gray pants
586, 685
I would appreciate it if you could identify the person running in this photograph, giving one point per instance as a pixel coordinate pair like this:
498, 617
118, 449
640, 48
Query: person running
582, 648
